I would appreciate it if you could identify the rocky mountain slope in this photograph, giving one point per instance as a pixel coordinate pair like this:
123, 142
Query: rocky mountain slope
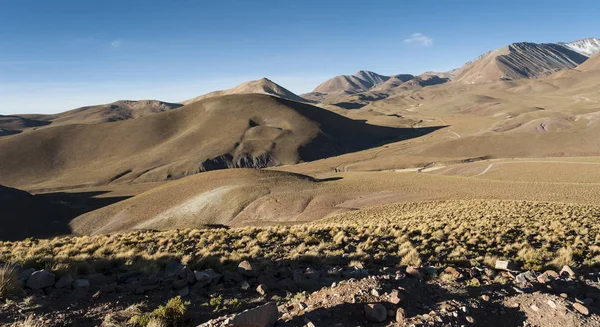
587, 47
261, 86
519, 60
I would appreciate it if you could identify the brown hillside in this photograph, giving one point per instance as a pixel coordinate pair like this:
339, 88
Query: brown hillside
231, 131
261, 86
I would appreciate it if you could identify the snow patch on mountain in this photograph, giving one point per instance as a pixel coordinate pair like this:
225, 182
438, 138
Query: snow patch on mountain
587, 47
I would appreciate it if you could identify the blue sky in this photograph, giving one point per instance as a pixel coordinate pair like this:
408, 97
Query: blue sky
59, 55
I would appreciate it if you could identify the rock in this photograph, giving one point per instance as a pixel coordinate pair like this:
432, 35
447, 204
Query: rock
308, 323
183, 292
173, 268
144, 289
429, 271
581, 308
127, 277
552, 274
566, 271
245, 286
180, 283
470, 319
232, 276
312, 273
485, 297
543, 278
41, 279
150, 280
412, 271
96, 279
400, 315
81, 283
375, 312
375, 292
262, 316
505, 265
202, 278
525, 277
302, 306
453, 272
26, 273
246, 269
534, 307
262, 289
395, 297
64, 282
552, 304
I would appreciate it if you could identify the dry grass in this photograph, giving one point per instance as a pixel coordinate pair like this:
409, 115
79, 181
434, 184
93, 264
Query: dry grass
9, 284
531, 233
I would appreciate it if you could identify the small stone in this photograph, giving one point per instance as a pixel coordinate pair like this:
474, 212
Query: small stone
552, 274
485, 297
395, 297
245, 268
470, 319
413, 271
400, 315
245, 286
375, 312
453, 272
375, 292
567, 271
564, 295
552, 304
534, 308
543, 278
581, 308
262, 289
302, 305
504, 265
464, 309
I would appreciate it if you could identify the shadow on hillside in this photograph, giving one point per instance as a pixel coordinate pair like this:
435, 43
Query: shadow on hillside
49, 214
349, 105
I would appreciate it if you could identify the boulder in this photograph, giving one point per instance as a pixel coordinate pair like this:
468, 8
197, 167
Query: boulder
128, 277
566, 271
375, 312
581, 308
206, 277
453, 272
262, 316
245, 286
232, 276
245, 268
395, 297
26, 273
41, 279
64, 282
183, 292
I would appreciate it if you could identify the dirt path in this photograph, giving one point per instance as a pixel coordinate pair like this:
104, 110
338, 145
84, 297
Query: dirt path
535, 161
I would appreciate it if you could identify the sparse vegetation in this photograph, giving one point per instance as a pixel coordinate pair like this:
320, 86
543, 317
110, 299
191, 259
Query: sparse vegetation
9, 284
534, 234
170, 314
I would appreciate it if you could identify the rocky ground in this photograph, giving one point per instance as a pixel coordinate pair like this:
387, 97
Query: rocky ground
256, 294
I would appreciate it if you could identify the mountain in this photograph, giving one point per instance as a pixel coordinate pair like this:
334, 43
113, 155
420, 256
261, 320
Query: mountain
359, 82
261, 86
587, 47
244, 130
519, 60
25, 215
119, 110
410, 82
116, 111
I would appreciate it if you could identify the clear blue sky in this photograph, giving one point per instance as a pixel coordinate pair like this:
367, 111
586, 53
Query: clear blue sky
58, 55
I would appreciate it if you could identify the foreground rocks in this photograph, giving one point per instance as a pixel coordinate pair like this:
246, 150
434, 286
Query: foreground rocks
326, 295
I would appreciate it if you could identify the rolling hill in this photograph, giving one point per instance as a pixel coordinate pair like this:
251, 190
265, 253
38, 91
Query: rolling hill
250, 130
261, 86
